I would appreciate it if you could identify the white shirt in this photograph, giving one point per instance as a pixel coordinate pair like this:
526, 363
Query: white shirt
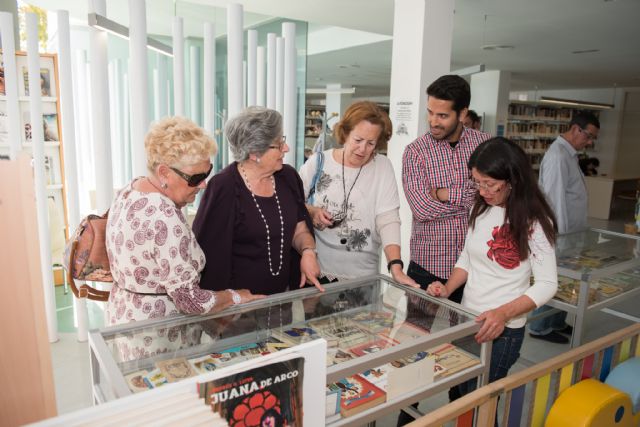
562, 181
375, 192
496, 276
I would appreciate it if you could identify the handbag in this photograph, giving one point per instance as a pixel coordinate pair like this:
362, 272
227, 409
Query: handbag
85, 257
316, 177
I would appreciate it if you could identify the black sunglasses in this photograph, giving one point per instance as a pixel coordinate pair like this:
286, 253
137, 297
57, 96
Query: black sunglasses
193, 180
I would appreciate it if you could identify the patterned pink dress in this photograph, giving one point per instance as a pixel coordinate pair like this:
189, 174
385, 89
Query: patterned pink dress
156, 263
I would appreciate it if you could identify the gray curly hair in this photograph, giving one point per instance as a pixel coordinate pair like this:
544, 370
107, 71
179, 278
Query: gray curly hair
252, 131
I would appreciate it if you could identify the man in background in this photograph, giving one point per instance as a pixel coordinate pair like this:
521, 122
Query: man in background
562, 182
472, 120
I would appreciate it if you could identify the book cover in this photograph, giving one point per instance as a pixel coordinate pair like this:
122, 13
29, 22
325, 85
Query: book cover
333, 400
136, 382
175, 369
296, 335
2, 87
335, 356
45, 81
453, 359
405, 331
155, 379
374, 321
372, 346
203, 364
358, 395
270, 395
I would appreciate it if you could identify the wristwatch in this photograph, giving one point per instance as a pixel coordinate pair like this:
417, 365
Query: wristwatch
395, 261
235, 297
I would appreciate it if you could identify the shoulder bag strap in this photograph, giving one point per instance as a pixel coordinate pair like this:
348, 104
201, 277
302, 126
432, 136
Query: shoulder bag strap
316, 177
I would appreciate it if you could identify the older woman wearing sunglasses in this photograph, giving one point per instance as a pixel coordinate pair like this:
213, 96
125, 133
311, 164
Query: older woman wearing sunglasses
155, 259
252, 222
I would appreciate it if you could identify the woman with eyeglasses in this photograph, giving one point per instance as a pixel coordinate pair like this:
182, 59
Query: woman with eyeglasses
511, 238
353, 198
252, 223
154, 256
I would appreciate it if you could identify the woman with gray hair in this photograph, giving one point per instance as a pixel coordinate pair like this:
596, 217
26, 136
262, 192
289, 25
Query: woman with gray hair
252, 223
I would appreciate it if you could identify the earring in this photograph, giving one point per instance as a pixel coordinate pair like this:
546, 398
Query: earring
164, 185
257, 159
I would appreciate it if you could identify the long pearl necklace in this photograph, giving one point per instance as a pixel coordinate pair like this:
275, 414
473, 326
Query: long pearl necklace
266, 225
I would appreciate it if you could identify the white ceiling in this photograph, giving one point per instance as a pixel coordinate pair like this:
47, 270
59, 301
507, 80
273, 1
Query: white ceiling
544, 34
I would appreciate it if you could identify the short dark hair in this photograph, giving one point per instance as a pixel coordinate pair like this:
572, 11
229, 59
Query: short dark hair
584, 118
475, 118
504, 160
451, 88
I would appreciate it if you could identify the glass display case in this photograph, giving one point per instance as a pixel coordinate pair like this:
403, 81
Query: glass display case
388, 345
596, 269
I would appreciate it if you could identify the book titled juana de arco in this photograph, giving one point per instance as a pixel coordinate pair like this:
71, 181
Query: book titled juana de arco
270, 395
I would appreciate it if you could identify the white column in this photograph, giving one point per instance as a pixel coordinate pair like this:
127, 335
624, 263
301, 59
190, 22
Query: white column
37, 141
11, 84
260, 77
194, 83
490, 97
100, 111
335, 101
422, 34
290, 91
122, 166
271, 71
162, 95
139, 93
209, 93
234, 57
70, 158
279, 75
252, 68
178, 66
84, 145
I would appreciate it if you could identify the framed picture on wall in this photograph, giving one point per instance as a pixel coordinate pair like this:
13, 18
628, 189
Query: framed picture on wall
45, 81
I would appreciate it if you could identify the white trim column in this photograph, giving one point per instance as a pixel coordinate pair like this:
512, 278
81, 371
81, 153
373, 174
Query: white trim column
178, 67
100, 119
290, 91
252, 69
209, 92
422, 40
139, 95
194, 83
37, 141
260, 77
280, 75
235, 50
271, 71
11, 84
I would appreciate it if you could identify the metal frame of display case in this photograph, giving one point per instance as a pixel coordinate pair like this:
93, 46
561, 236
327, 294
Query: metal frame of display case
105, 370
582, 309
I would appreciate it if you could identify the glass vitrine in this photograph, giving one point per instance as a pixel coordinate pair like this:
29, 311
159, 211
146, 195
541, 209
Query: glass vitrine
385, 337
596, 269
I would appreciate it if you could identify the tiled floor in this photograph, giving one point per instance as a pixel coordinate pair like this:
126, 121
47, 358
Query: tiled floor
71, 359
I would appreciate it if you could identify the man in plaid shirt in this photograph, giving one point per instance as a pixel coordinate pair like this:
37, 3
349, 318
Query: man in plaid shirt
436, 182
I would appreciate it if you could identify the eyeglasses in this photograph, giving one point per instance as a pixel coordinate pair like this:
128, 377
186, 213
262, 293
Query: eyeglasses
590, 136
280, 146
490, 188
193, 180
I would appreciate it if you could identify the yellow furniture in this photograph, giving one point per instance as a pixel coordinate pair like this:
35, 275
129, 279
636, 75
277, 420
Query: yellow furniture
591, 403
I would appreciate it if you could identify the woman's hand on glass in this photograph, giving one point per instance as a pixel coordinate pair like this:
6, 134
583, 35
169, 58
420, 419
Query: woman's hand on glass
399, 276
247, 296
310, 270
493, 323
437, 289
321, 218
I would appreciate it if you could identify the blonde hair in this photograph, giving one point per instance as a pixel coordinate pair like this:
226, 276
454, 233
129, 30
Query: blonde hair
178, 142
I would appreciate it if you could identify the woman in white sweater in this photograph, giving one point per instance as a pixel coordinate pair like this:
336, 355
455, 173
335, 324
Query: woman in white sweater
511, 237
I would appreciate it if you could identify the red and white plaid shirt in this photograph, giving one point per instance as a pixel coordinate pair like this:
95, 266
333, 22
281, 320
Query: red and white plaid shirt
439, 229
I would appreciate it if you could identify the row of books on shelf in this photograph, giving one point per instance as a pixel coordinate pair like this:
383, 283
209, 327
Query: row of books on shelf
542, 129
541, 112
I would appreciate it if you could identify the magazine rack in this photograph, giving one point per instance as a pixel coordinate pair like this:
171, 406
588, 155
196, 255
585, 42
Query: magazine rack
392, 323
596, 269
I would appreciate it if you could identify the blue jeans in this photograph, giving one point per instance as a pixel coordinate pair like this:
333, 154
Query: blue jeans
546, 325
505, 351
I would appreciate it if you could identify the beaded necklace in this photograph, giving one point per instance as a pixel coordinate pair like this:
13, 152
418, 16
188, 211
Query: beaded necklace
266, 225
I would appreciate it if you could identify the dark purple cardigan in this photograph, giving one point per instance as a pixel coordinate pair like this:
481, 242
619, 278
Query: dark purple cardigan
215, 220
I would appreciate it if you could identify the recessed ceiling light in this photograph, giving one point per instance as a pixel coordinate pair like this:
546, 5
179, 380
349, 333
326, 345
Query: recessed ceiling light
585, 51
498, 47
